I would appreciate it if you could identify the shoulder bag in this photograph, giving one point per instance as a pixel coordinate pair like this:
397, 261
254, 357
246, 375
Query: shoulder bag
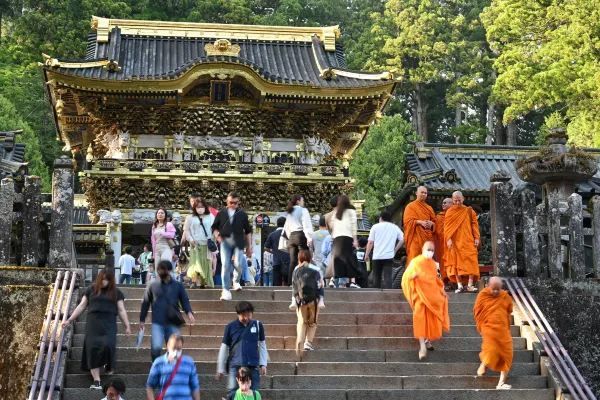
170, 380
210, 244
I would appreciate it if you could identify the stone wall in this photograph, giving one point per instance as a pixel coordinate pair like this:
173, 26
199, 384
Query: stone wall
572, 309
24, 295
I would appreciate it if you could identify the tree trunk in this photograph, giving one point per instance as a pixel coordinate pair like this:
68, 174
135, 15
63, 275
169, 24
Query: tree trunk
499, 129
490, 123
511, 134
421, 110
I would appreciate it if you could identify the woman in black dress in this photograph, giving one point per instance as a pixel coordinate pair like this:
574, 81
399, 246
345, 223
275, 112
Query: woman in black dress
104, 302
343, 227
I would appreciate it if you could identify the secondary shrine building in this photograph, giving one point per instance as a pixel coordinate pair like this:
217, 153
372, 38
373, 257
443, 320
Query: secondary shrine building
157, 110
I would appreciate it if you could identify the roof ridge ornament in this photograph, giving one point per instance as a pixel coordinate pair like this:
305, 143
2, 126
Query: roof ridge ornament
222, 47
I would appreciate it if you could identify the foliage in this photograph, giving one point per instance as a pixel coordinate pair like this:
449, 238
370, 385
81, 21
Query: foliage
570, 309
378, 164
10, 120
548, 59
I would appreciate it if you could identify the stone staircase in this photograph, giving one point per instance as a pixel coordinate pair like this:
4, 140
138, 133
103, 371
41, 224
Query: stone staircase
365, 350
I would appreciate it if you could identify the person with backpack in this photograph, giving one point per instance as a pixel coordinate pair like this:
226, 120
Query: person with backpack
306, 284
244, 345
244, 381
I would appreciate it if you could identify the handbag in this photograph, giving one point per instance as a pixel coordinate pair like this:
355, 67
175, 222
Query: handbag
170, 380
210, 244
283, 242
171, 243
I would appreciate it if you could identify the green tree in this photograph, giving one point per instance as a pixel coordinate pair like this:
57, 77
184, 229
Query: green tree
548, 61
378, 164
10, 120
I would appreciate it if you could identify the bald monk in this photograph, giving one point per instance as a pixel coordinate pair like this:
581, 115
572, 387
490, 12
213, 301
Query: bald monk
461, 232
440, 243
419, 223
424, 291
492, 315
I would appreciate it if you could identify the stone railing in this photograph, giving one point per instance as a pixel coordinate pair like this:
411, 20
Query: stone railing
549, 237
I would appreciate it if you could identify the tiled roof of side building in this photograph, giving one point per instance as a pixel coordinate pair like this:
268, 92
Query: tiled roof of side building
147, 57
12, 154
445, 168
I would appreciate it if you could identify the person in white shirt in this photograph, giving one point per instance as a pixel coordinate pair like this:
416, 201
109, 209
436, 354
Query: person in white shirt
126, 266
385, 239
343, 227
298, 228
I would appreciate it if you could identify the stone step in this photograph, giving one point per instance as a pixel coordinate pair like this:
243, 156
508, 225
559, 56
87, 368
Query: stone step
283, 294
323, 330
143, 354
339, 368
298, 382
383, 394
289, 317
332, 307
321, 342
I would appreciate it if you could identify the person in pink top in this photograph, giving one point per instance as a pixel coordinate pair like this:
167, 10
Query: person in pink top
162, 233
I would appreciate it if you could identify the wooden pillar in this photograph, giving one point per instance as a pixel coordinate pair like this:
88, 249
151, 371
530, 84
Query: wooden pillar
502, 218
596, 237
555, 267
61, 225
576, 255
32, 218
531, 243
7, 195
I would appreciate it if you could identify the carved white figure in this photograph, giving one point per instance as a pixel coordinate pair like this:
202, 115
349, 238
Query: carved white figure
187, 156
116, 217
105, 216
310, 143
178, 141
124, 138
257, 144
143, 216
216, 142
323, 148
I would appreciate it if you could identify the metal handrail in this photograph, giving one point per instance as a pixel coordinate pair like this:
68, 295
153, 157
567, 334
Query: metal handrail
562, 362
51, 344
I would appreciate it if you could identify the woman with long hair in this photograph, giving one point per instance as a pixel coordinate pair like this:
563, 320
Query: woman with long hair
298, 228
104, 302
344, 233
197, 232
162, 237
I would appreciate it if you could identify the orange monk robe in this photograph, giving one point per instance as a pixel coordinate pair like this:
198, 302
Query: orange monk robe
440, 243
460, 225
426, 297
415, 235
492, 316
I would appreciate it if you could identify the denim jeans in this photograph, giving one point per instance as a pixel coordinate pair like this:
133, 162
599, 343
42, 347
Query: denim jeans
160, 335
232, 385
125, 278
268, 278
227, 265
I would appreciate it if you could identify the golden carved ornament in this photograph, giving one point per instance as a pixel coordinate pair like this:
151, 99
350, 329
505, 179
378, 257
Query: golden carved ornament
222, 47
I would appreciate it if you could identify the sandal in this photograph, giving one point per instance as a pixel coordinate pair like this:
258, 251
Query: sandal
460, 290
472, 289
422, 355
429, 346
479, 373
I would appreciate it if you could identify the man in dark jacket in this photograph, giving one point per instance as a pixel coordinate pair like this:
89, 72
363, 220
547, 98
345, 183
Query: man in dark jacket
164, 295
281, 259
233, 229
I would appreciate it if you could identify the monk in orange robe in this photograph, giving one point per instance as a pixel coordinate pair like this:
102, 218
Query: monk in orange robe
419, 224
492, 311
424, 291
440, 243
461, 232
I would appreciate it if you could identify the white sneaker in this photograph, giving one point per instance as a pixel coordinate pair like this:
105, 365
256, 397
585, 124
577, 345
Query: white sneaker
308, 346
96, 385
236, 287
354, 285
321, 303
225, 295
293, 306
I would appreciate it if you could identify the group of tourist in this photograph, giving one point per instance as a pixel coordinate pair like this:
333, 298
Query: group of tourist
312, 256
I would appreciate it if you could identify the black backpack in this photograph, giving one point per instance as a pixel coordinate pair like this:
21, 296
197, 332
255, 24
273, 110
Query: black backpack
308, 280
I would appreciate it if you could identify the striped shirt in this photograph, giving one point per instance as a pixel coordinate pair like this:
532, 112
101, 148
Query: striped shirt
183, 385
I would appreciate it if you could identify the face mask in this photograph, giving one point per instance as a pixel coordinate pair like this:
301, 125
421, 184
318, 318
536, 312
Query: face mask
174, 353
429, 253
104, 283
200, 210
